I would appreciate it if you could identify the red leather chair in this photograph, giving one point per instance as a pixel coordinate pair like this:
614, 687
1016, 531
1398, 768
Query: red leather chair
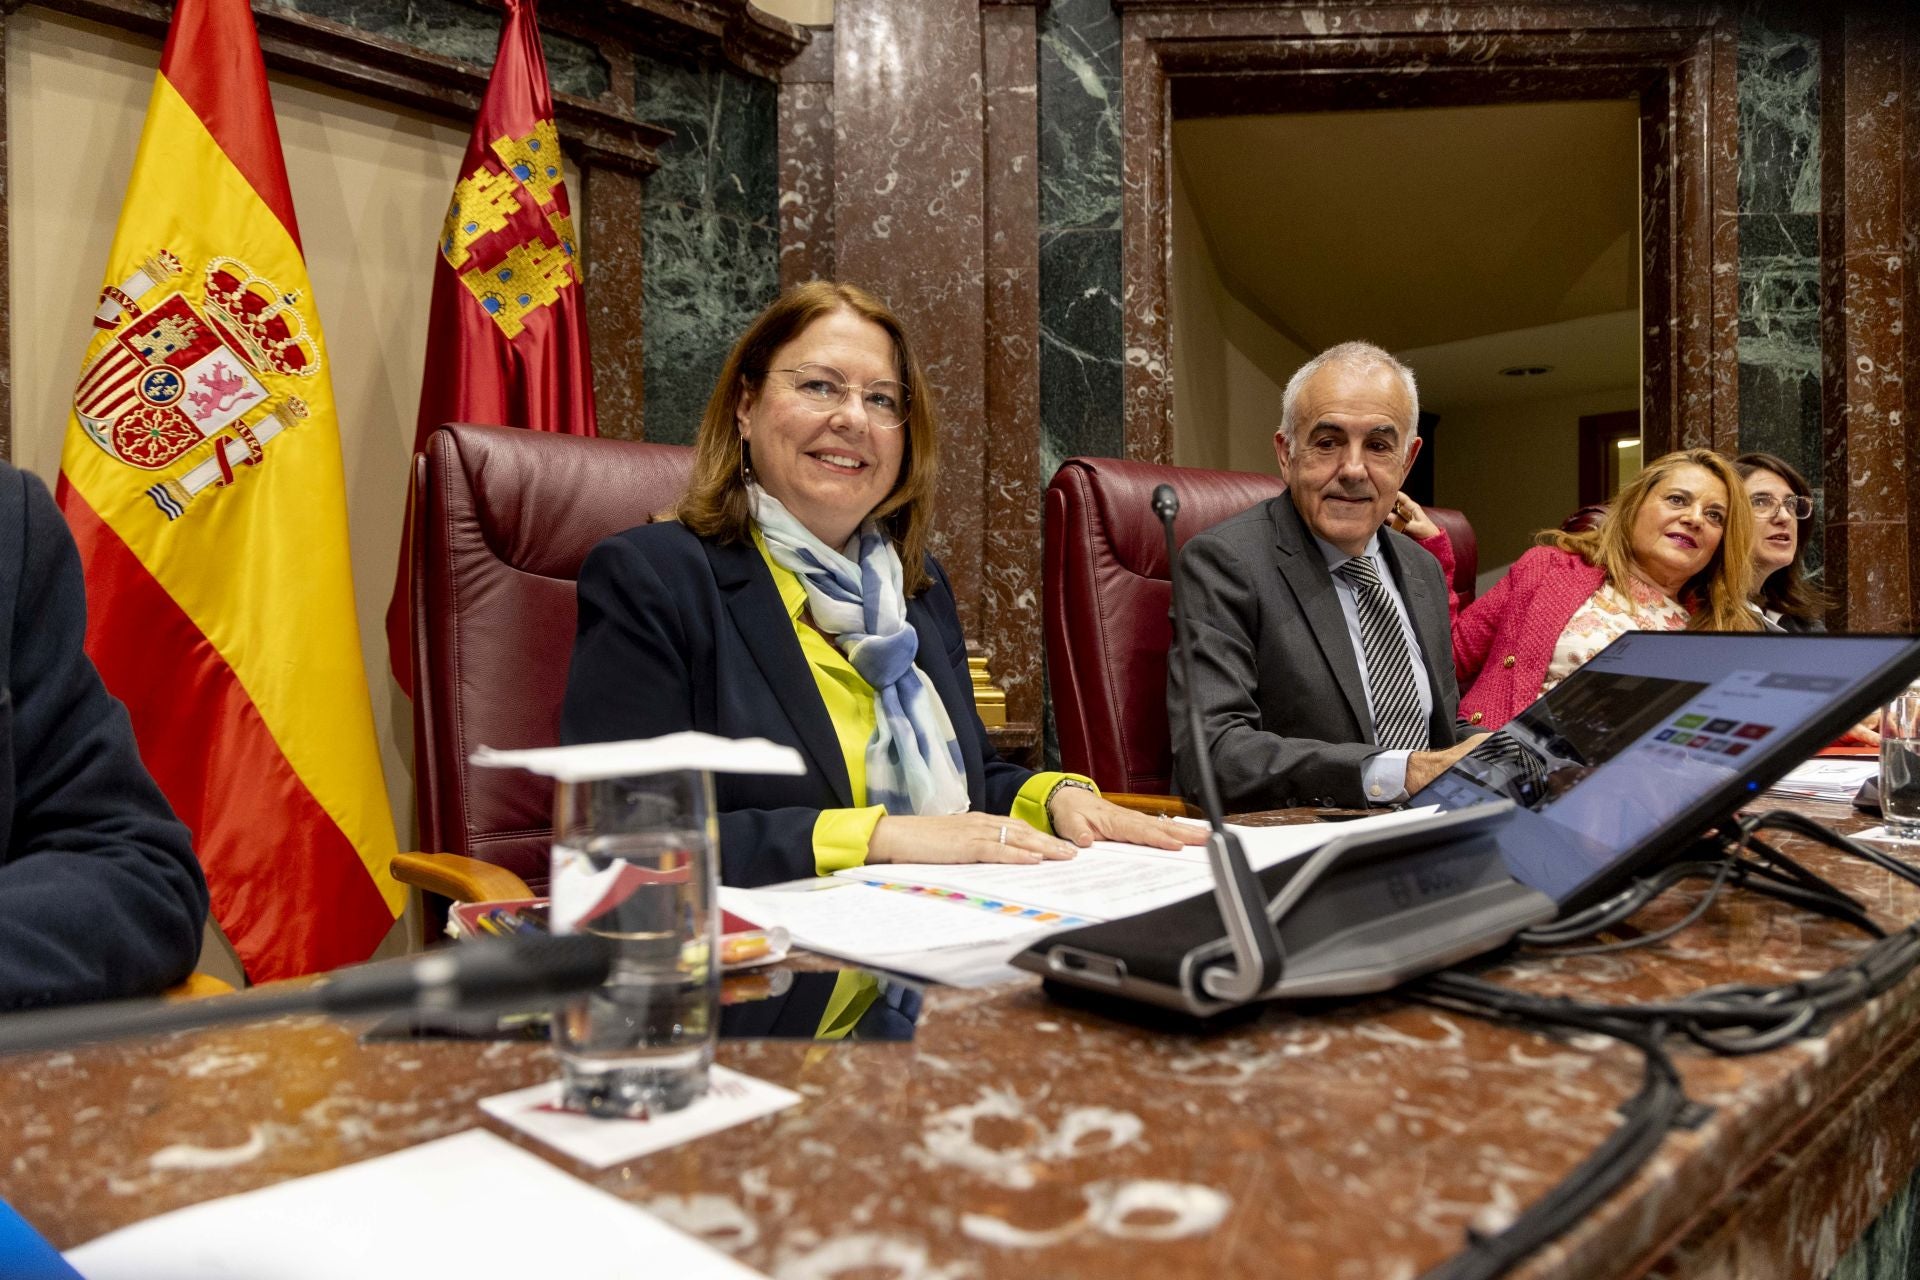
1586, 518
1108, 592
502, 519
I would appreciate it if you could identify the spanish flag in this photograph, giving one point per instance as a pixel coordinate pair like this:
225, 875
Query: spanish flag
203, 481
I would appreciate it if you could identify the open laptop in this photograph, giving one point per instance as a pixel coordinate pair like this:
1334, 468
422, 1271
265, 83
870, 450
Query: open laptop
1619, 768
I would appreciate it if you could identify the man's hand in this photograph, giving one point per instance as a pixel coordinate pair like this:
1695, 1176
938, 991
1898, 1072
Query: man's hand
1424, 766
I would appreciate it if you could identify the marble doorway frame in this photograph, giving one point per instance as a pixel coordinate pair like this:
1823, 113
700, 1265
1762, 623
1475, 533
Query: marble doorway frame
1190, 58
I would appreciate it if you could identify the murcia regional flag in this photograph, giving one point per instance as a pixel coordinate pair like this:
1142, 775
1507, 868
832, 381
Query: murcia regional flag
202, 479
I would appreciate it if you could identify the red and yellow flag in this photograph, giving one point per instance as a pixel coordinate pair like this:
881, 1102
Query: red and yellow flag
507, 335
203, 481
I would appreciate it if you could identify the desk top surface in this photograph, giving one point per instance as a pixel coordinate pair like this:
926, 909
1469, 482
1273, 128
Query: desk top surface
1014, 1136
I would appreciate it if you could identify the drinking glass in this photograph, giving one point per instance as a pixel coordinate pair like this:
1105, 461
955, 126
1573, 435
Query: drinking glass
634, 860
1900, 766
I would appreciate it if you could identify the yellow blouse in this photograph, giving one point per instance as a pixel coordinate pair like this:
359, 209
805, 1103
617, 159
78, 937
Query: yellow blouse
841, 836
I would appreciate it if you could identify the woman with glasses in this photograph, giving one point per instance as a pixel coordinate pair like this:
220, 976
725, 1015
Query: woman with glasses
1674, 554
791, 596
1782, 516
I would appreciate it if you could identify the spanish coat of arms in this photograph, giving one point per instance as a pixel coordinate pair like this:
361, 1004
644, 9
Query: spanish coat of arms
174, 375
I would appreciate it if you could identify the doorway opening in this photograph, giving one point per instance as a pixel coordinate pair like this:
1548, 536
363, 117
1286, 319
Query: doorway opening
1496, 249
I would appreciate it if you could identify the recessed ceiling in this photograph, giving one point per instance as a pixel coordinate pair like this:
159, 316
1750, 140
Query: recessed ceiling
1424, 227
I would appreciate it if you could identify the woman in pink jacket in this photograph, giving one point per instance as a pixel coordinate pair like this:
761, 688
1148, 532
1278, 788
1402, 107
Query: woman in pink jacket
1676, 553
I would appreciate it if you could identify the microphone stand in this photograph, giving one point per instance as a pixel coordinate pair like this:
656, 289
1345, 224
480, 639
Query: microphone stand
488, 973
1257, 955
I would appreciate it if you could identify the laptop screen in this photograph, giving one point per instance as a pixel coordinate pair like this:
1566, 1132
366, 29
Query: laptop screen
1660, 735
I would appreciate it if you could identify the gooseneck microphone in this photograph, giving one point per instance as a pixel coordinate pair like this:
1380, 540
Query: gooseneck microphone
1257, 958
487, 973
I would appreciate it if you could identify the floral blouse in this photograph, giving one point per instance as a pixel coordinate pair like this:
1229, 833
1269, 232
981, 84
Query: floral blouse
1605, 617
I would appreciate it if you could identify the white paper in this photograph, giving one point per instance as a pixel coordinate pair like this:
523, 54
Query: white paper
1834, 780
592, 761
1103, 882
1109, 880
731, 1099
1880, 835
905, 932
412, 1213
1269, 846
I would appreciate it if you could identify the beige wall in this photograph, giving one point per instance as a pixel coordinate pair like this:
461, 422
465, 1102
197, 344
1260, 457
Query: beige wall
811, 13
370, 186
1515, 468
1230, 367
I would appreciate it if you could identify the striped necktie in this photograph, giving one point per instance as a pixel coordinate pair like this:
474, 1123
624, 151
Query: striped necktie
1398, 724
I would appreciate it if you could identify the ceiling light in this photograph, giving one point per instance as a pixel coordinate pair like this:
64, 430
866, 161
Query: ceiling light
1629, 443
1525, 370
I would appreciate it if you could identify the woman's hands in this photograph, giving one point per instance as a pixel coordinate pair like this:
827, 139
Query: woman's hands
963, 837
1083, 817
1410, 518
1079, 815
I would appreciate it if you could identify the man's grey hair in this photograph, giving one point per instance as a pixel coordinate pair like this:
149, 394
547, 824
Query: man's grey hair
1356, 357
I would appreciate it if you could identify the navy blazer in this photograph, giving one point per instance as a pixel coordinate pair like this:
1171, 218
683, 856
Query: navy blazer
100, 894
681, 632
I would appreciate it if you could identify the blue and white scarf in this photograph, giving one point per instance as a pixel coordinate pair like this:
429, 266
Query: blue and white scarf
913, 759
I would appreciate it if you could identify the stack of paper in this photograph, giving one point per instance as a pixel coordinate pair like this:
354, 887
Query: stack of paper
1835, 780
961, 923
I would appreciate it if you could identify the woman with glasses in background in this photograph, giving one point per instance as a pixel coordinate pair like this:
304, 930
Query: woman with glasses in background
1782, 517
1783, 597
791, 596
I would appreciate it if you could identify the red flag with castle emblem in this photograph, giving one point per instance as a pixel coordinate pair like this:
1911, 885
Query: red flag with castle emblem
203, 481
507, 336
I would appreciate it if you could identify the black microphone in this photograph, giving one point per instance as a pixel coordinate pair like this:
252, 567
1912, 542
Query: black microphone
1242, 900
487, 973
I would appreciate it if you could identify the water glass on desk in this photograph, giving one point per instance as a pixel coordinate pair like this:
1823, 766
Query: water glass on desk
634, 860
1900, 766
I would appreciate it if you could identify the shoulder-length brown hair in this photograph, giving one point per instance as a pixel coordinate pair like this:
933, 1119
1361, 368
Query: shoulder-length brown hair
716, 504
1787, 590
1717, 595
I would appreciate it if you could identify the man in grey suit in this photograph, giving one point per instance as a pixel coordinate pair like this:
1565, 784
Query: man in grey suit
1323, 667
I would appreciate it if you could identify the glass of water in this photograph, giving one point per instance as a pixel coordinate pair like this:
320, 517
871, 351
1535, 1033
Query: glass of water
634, 860
1900, 766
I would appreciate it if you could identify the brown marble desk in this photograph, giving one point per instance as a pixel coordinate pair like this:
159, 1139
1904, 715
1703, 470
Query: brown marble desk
1015, 1137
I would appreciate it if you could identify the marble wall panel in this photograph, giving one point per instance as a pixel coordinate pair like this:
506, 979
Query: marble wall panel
1080, 357
710, 246
468, 32
806, 164
1011, 624
1779, 226
1865, 285
908, 223
616, 307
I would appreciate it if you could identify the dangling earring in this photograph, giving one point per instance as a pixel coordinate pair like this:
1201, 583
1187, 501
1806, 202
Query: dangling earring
746, 463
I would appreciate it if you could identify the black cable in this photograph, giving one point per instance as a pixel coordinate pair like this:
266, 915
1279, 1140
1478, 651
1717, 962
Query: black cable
1787, 820
1659, 1105
1720, 871
1730, 1020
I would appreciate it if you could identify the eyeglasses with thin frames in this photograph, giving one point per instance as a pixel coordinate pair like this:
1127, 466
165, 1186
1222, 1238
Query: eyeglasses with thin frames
1765, 504
823, 388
